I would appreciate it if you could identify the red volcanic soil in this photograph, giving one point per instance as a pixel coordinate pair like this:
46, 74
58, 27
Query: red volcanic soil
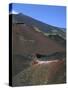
55, 71
27, 40
48, 72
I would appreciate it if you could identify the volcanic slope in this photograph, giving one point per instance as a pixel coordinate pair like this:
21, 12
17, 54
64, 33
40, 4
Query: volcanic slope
31, 37
27, 41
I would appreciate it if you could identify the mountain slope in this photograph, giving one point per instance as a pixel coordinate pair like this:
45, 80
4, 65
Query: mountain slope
26, 38
27, 41
31, 37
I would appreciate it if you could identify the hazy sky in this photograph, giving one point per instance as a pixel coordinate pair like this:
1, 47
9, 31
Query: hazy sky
53, 15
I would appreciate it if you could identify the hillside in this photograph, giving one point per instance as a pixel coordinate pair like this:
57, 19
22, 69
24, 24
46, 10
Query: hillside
30, 39
26, 37
27, 41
